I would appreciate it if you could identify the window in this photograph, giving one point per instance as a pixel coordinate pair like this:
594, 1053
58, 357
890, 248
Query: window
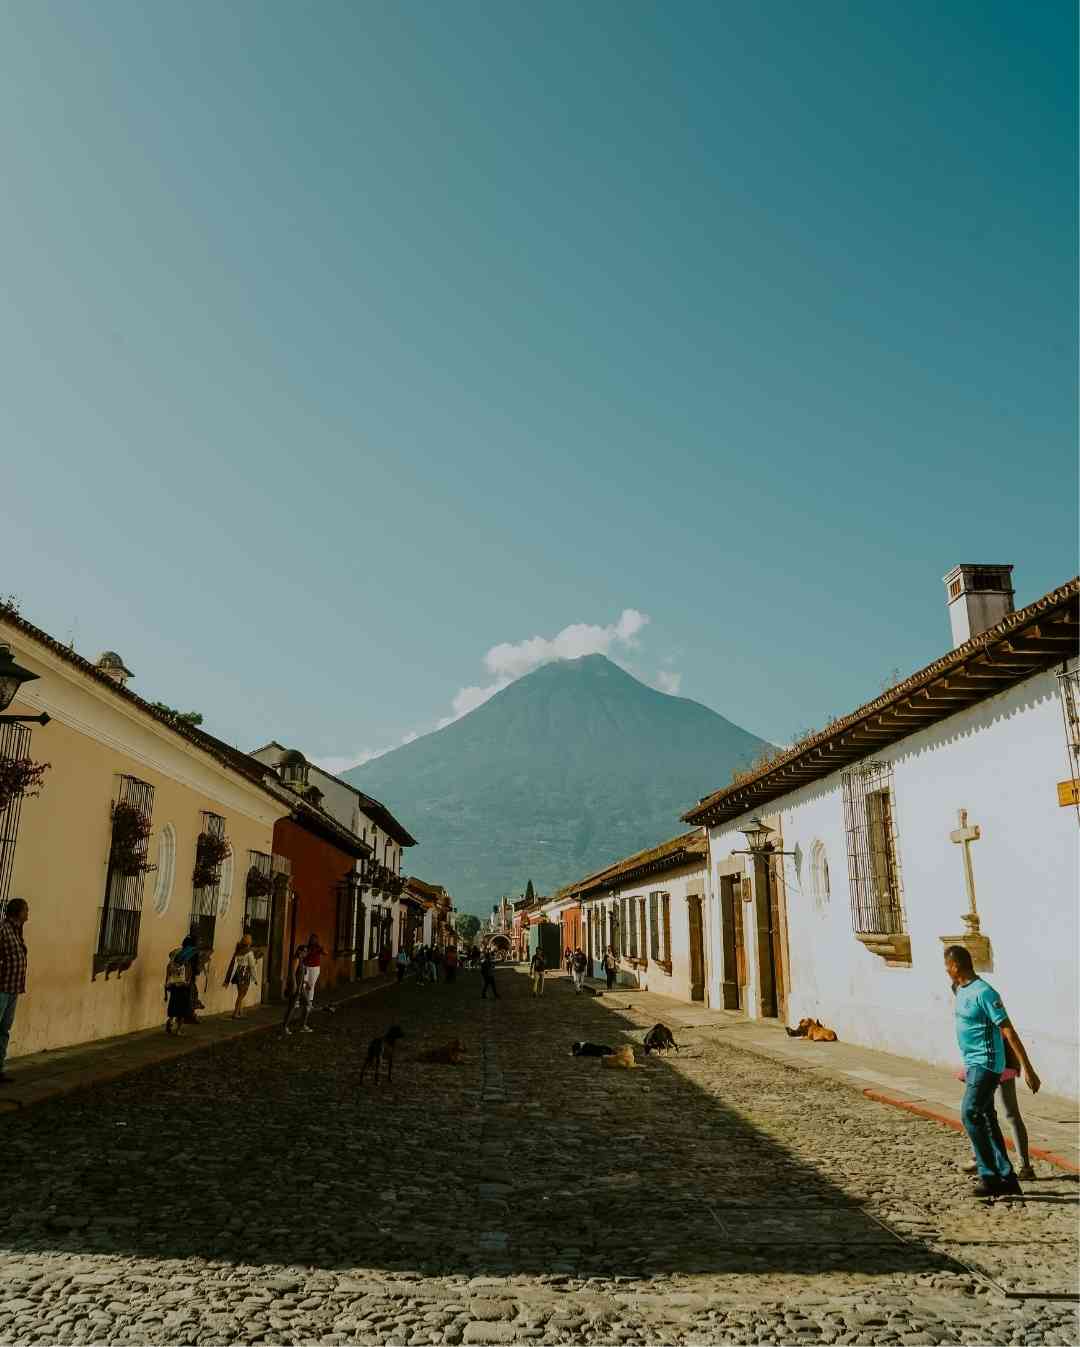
258, 893
348, 896
121, 910
873, 864
665, 917
654, 926
14, 747
211, 850
643, 939
630, 923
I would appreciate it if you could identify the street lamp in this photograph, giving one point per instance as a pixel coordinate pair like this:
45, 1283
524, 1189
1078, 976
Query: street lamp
12, 677
757, 836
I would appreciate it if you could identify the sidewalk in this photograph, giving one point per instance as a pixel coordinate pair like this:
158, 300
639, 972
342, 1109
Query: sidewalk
932, 1092
45, 1075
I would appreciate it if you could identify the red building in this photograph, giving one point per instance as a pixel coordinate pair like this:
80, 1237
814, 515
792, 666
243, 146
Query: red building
324, 898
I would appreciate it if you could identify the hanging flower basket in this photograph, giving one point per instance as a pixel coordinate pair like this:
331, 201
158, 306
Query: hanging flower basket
20, 776
130, 840
258, 883
210, 852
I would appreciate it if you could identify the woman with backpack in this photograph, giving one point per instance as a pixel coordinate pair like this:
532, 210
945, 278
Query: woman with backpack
180, 974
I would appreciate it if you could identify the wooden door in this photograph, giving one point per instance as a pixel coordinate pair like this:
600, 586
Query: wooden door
738, 910
697, 948
731, 931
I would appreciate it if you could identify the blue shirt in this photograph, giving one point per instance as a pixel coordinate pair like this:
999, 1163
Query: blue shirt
979, 1015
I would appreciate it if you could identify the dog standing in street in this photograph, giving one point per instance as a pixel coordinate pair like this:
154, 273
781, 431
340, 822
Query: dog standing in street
659, 1039
379, 1048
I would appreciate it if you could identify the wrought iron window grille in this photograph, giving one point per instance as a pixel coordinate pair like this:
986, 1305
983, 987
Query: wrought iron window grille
14, 745
206, 897
258, 897
120, 914
873, 858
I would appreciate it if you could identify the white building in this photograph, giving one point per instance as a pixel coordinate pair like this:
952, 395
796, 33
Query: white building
380, 880
935, 814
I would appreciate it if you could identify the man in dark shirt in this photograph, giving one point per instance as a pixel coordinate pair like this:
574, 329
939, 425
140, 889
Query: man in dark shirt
487, 972
12, 972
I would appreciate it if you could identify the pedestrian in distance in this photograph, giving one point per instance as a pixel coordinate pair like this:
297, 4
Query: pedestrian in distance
306, 968
568, 959
450, 964
537, 968
611, 967
13, 966
241, 974
579, 965
402, 962
180, 974
487, 973
982, 1030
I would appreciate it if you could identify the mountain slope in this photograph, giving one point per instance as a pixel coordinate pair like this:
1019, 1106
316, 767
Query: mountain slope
569, 768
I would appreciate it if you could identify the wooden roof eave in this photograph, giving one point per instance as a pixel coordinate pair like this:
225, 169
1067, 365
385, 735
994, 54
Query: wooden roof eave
993, 669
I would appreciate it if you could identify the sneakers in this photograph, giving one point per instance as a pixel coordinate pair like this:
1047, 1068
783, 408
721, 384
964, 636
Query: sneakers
1026, 1172
305, 1029
1010, 1187
970, 1168
288, 1032
985, 1188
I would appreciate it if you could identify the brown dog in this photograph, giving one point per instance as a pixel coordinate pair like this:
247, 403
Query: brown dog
451, 1055
620, 1057
814, 1030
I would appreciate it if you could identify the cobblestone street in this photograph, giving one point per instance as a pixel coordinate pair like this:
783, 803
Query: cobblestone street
255, 1193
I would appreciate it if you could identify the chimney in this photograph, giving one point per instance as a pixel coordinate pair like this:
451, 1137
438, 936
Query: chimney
978, 598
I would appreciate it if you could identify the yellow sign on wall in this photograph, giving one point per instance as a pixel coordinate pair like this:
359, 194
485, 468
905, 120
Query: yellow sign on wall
1069, 792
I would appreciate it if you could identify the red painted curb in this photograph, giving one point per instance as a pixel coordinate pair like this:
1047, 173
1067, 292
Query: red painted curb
957, 1126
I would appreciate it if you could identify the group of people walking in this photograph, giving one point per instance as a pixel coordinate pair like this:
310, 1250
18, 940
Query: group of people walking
428, 963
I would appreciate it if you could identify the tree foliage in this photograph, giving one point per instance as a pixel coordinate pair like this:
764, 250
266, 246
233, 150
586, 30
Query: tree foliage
530, 893
467, 925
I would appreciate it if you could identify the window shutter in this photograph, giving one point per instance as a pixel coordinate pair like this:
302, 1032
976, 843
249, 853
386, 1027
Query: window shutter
654, 925
665, 899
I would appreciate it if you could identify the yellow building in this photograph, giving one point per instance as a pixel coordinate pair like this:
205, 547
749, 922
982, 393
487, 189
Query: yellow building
143, 830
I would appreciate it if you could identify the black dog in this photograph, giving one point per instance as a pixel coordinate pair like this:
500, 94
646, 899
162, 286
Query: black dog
379, 1048
591, 1050
659, 1039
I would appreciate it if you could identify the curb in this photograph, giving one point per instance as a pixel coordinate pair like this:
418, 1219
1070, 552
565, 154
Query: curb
921, 1111
10, 1106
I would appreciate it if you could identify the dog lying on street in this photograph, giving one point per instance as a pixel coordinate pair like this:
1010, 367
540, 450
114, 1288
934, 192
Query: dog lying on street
814, 1030
590, 1050
451, 1054
621, 1057
380, 1048
659, 1039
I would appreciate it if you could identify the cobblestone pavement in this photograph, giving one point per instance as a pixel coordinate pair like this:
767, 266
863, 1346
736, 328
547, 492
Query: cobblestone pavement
255, 1193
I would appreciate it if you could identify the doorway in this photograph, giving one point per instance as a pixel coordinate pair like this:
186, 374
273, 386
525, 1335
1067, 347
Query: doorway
697, 947
731, 925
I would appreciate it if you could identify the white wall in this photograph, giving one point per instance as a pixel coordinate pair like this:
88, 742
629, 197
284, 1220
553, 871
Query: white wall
1000, 761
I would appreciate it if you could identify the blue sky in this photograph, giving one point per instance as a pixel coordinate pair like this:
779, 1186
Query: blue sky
343, 342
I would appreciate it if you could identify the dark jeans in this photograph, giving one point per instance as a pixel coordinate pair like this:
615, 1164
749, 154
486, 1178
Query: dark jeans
610, 975
488, 982
8, 1001
981, 1123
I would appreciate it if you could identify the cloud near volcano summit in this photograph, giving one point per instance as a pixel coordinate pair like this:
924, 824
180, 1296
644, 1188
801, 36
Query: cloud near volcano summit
511, 660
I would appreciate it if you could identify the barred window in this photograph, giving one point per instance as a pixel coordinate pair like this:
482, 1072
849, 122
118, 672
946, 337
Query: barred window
665, 915
654, 926
206, 880
258, 894
873, 858
14, 747
120, 915
643, 938
348, 896
631, 928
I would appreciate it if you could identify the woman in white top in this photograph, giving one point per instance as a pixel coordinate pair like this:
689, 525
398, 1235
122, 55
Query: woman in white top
241, 974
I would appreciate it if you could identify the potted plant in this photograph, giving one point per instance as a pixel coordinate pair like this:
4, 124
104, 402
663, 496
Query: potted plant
210, 851
259, 884
130, 839
20, 776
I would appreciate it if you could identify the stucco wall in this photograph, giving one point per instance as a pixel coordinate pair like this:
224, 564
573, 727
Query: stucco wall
61, 859
1000, 761
317, 868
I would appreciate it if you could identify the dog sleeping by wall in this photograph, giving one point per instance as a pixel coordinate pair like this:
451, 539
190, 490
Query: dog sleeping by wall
813, 1030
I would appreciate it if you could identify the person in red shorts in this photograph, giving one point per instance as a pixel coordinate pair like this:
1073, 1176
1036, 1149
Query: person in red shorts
308, 963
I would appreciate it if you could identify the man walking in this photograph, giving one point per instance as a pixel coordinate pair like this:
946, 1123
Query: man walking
579, 966
487, 972
537, 968
12, 972
982, 1030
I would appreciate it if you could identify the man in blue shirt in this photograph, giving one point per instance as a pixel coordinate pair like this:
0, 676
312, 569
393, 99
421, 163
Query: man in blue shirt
982, 1030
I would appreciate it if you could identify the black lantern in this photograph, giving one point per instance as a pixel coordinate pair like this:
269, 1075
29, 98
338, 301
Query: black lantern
757, 836
12, 677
